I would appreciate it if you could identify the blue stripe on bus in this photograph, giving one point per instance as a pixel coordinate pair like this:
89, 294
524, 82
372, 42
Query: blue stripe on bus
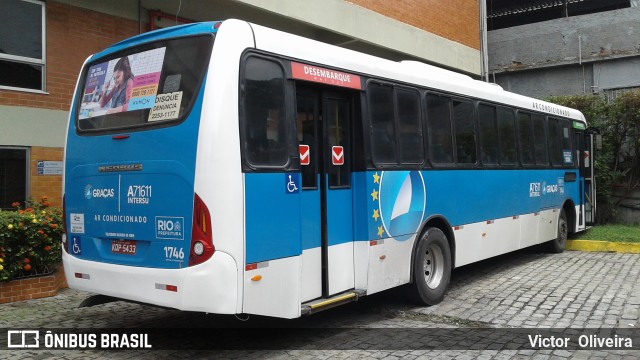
340, 216
460, 196
272, 217
394, 204
310, 218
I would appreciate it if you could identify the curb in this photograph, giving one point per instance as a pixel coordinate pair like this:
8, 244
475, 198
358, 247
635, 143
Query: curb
603, 246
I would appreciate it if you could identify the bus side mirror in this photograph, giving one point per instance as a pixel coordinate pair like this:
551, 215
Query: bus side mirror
598, 140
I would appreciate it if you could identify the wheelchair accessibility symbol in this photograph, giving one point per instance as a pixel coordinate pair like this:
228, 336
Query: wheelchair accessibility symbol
75, 246
292, 183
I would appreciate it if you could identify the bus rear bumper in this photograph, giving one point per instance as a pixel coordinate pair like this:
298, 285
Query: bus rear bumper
208, 287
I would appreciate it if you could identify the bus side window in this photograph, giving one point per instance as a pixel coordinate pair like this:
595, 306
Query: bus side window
507, 137
525, 135
555, 147
489, 148
383, 134
410, 129
568, 150
439, 129
264, 113
540, 140
465, 132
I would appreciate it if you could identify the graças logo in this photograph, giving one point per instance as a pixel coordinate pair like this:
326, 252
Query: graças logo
90, 192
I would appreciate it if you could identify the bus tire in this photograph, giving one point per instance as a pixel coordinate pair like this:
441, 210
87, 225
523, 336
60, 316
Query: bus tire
431, 268
558, 244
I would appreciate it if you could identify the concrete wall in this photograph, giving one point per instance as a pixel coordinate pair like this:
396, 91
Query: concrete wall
629, 210
605, 35
541, 83
575, 55
624, 72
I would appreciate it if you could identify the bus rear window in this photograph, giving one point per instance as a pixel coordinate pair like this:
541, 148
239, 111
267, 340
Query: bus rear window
150, 85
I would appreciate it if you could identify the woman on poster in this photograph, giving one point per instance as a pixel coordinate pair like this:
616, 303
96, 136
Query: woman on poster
121, 89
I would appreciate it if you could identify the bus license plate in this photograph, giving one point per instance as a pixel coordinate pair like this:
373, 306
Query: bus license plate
127, 247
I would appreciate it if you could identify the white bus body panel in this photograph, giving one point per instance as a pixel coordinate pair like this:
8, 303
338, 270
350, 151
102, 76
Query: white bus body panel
342, 274
219, 180
273, 289
486, 239
529, 229
208, 287
389, 264
361, 263
548, 226
311, 274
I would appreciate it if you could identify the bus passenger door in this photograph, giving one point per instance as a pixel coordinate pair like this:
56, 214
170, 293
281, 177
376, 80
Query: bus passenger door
587, 158
324, 125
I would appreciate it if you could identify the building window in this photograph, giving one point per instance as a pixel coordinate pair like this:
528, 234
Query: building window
22, 45
13, 176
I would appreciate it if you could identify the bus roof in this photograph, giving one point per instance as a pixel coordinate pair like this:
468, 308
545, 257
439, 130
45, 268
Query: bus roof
411, 72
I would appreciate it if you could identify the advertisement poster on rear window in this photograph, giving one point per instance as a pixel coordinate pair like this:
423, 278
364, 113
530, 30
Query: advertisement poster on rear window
123, 84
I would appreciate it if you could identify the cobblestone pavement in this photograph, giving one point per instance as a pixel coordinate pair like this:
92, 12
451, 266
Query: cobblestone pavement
527, 292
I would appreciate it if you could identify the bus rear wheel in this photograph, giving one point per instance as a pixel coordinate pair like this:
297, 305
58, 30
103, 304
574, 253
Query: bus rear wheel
431, 268
558, 244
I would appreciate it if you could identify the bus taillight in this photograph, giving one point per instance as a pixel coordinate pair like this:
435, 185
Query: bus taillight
201, 241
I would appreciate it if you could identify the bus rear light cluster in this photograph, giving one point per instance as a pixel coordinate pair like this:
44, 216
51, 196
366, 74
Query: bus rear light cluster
198, 248
82, 276
201, 240
167, 287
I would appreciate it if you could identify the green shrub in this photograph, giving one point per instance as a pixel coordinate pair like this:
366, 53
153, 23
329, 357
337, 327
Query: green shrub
30, 240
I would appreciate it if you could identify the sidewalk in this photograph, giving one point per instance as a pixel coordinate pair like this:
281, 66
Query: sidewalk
603, 246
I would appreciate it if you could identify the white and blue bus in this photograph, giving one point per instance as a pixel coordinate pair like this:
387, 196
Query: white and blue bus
229, 168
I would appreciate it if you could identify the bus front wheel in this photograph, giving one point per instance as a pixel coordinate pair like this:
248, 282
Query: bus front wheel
431, 268
558, 244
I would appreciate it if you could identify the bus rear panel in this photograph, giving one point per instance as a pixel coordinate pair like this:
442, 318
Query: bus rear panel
135, 226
